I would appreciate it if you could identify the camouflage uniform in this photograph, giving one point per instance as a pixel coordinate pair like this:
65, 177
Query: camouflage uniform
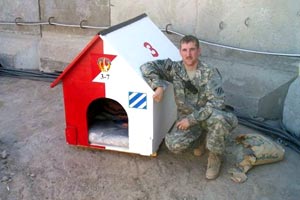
203, 109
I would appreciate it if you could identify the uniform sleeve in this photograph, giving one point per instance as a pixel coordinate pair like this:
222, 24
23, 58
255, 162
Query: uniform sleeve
215, 96
214, 91
157, 73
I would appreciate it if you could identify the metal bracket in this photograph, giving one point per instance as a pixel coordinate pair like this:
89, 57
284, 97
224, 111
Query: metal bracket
81, 22
17, 19
49, 20
167, 26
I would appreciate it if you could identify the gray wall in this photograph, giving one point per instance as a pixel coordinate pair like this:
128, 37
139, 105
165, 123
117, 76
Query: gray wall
269, 25
256, 84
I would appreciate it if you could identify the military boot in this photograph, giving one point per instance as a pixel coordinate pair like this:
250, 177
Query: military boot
213, 166
199, 151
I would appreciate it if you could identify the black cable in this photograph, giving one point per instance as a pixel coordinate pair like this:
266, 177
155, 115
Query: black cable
282, 136
280, 132
29, 74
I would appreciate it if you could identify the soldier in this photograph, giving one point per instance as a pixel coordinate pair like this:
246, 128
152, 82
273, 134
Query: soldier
200, 102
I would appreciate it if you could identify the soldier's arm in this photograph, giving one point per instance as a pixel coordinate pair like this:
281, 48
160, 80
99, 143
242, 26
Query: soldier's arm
157, 73
215, 98
214, 91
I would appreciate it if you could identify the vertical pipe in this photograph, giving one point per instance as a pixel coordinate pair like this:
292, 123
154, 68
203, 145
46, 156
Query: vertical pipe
40, 17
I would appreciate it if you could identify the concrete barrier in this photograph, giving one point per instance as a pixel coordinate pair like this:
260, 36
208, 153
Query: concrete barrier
256, 85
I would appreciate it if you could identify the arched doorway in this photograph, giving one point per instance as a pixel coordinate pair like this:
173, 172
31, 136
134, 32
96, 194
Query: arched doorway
107, 123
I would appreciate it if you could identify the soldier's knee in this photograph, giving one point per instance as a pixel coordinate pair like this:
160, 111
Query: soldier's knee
176, 150
214, 120
175, 147
222, 119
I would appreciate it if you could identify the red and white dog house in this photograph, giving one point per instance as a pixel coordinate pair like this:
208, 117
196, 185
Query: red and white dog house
108, 105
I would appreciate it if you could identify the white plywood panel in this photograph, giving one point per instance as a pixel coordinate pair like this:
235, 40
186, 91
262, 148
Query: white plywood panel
133, 44
140, 42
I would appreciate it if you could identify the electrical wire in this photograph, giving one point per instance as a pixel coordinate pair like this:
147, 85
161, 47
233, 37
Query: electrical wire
167, 30
283, 137
29, 74
18, 21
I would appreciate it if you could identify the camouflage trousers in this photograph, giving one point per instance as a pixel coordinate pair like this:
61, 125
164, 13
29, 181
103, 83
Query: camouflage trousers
215, 128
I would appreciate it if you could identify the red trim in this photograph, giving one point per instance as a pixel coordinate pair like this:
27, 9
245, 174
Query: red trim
58, 79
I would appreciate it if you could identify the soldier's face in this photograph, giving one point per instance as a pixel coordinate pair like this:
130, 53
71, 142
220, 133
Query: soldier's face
189, 53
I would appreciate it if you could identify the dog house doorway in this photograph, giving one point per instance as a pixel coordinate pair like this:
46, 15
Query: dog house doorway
107, 123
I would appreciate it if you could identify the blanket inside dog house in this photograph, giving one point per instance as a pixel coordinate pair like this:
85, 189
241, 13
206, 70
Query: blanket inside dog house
108, 105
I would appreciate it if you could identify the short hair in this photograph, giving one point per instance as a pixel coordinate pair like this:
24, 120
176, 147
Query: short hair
190, 38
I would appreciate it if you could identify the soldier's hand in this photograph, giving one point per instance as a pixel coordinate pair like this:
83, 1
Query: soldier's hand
183, 124
158, 94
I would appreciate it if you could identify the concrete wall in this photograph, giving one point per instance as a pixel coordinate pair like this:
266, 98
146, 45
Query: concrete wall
270, 25
11, 9
256, 84
57, 45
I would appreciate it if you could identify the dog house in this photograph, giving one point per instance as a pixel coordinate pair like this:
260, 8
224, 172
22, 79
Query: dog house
108, 105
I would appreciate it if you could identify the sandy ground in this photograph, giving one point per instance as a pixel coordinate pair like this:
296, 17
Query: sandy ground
36, 163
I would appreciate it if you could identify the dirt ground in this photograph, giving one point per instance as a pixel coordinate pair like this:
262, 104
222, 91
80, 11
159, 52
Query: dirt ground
36, 163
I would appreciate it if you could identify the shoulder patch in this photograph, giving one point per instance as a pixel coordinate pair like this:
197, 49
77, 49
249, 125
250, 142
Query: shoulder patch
219, 91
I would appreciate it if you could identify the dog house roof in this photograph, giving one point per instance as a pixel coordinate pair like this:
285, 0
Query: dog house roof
136, 41
82, 53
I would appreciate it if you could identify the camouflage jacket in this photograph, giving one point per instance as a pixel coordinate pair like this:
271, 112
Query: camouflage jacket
196, 106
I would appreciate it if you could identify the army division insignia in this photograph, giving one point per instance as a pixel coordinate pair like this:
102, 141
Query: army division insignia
104, 64
137, 100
